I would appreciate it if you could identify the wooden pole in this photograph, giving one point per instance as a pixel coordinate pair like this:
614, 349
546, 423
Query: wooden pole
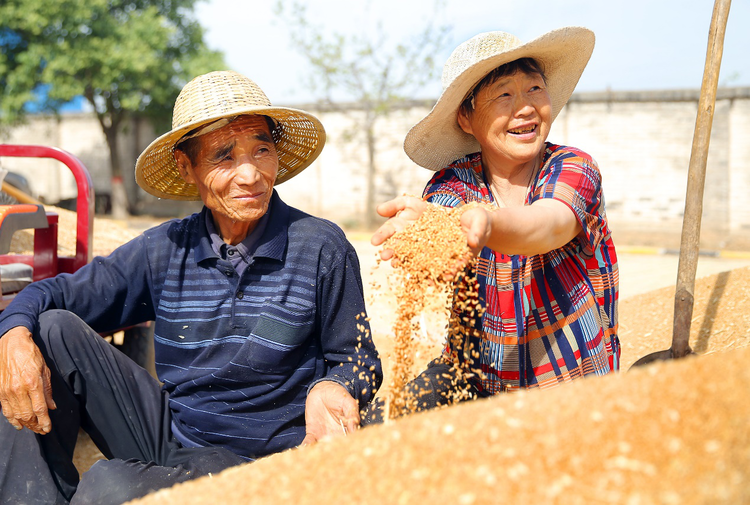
691, 224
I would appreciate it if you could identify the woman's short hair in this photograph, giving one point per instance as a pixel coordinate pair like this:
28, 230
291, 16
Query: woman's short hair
525, 65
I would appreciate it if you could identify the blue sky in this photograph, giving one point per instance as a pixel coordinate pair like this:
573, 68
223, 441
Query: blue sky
641, 44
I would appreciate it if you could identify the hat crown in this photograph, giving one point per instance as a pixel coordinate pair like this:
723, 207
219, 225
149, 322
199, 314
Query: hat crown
299, 137
477, 48
216, 95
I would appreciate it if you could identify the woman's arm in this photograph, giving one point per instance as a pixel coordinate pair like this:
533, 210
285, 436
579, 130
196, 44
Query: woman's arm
535, 229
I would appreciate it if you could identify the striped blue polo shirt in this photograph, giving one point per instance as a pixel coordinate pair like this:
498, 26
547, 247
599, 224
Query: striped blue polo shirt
237, 353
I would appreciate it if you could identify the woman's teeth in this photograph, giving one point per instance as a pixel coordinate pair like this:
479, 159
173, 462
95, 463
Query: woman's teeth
527, 129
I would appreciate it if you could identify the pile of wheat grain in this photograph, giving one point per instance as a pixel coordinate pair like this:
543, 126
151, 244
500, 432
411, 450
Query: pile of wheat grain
673, 432
432, 265
721, 319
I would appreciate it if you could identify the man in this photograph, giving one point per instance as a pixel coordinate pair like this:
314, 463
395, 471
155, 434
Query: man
256, 307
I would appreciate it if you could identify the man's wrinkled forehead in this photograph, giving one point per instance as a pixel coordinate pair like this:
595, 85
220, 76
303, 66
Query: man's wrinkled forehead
256, 126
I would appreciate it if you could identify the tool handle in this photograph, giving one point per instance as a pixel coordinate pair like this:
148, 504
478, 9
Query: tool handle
691, 224
19, 195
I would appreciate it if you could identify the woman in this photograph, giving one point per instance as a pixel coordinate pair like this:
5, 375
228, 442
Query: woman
547, 267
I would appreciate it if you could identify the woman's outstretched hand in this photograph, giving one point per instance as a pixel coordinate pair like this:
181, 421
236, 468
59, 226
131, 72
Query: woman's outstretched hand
476, 223
402, 212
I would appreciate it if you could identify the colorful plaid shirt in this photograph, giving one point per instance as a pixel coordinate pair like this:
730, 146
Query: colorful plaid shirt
549, 318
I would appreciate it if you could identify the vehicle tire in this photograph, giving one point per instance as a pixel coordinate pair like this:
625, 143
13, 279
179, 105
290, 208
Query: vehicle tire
138, 345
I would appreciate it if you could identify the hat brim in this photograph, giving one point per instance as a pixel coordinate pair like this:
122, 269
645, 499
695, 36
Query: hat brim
301, 141
437, 140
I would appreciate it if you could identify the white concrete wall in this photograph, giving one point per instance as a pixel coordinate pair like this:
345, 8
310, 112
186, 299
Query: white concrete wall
642, 142
738, 156
82, 136
643, 146
335, 185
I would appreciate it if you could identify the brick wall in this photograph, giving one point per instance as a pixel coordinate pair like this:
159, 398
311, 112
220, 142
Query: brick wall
641, 140
643, 143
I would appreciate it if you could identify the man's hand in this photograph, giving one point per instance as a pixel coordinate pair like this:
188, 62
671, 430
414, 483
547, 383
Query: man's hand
402, 212
25, 387
329, 410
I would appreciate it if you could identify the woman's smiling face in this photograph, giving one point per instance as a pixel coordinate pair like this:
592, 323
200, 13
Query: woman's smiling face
511, 118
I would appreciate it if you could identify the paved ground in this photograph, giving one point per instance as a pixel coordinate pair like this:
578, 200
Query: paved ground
641, 272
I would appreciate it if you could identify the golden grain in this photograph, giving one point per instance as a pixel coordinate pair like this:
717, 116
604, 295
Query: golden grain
432, 261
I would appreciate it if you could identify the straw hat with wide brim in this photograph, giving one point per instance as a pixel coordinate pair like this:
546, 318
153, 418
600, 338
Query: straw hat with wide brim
214, 96
438, 140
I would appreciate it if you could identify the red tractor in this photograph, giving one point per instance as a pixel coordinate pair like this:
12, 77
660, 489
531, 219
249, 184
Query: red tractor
18, 270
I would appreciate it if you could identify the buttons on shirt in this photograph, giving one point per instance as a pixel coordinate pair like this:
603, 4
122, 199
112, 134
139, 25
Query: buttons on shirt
240, 294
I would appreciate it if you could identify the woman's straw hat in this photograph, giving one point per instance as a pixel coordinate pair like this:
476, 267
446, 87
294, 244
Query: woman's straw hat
218, 95
438, 140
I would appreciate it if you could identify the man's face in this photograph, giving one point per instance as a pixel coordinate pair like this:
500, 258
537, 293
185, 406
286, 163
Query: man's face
235, 171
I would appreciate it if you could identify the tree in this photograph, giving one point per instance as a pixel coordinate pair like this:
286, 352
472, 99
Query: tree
372, 69
128, 58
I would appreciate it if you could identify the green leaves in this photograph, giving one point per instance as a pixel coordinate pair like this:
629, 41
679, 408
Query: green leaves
127, 57
124, 56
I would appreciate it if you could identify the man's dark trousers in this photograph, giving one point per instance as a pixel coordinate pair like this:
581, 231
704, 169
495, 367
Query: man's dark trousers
120, 406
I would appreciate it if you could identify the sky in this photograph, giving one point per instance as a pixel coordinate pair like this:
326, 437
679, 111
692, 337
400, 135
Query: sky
640, 44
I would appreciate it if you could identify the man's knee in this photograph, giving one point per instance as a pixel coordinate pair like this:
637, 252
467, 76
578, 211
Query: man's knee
60, 323
66, 338
438, 385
